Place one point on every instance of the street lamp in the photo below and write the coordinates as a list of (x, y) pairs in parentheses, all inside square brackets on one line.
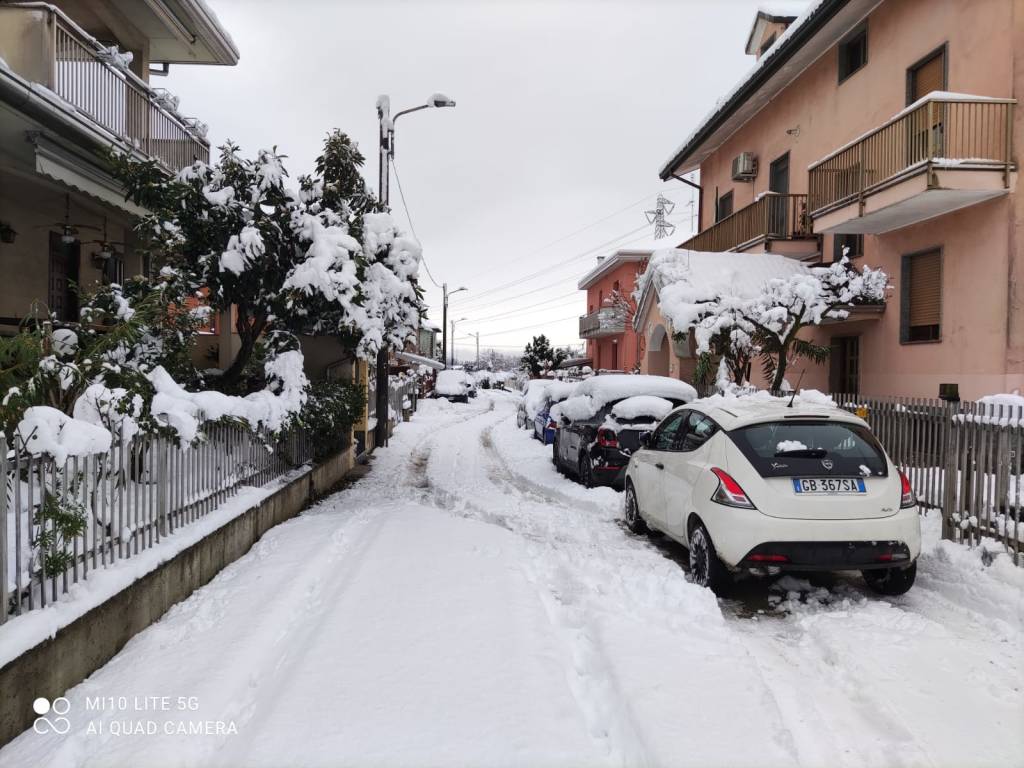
[(453, 337), (385, 153), (444, 322)]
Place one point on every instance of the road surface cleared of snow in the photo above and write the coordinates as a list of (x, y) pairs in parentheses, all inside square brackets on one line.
[(465, 605)]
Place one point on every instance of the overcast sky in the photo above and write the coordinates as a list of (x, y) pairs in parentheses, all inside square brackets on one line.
[(565, 112)]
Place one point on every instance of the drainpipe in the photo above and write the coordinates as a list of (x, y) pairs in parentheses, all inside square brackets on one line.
[(700, 199)]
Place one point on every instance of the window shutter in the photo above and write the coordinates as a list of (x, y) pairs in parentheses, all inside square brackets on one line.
[(929, 77), (925, 289)]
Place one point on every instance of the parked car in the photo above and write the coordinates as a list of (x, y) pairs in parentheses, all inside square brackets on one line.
[(599, 427), (456, 386), (756, 484), (544, 427), (531, 402)]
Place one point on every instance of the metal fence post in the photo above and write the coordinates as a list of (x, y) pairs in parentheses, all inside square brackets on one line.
[(950, 477), (4, 597), (163, 487)]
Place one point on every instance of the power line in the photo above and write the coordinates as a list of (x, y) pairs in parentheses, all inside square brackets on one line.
[(595, 223), (528, 327), (401, 194), (488, 318)]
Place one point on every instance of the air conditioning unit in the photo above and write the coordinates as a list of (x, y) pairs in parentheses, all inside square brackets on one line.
[(744, 167)]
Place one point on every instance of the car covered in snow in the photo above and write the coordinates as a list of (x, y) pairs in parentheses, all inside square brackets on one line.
[(454, 385), (763, 484), (600, 426), (544, 427), (531, 402)]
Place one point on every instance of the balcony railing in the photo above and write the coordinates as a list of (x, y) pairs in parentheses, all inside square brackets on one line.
[(772, 217), (606, 321), (961, 133), (43, 45)]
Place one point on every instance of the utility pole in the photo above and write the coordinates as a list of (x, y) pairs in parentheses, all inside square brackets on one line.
[(444, 323), (387, 127), (385, 151), (477, 337)]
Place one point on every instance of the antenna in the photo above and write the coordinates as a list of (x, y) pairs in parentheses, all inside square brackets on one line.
[(797, 389)]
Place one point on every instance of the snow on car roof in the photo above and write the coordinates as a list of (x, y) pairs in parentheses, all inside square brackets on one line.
[(593, 394), (641, 406), (453, 382), (733, 411)]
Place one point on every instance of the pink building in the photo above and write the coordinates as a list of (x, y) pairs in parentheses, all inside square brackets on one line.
[(887, 128), (612, 344)]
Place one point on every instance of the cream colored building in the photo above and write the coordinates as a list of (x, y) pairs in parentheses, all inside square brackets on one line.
[(889, 128), (68, 94)]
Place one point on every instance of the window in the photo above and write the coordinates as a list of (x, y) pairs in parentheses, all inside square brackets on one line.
[(803, 447), (854, 242), (698, 431), (62, 299), (921, 297), (927, 75), (724, 206), (665, 437), (853, 53)]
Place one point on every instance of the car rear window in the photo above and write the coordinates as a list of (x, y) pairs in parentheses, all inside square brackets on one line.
[(811, 448)]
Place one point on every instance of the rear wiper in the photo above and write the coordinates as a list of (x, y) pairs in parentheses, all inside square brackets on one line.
[(803, 453)]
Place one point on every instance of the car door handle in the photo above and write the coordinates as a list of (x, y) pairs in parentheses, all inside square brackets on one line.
[(659, 465)]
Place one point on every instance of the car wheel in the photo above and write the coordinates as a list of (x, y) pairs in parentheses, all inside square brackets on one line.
[(634, 521), (586, 472), (706, 569), (891, 581)]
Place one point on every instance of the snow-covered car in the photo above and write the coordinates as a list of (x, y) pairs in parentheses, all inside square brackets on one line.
[(456, 386), (758, 484), (599, 427), (531, 402), (544, 427)]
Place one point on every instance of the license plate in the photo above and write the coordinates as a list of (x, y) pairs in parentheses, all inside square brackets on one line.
[(833, 486)]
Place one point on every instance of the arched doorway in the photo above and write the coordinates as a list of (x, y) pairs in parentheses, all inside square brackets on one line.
[(658, 351)]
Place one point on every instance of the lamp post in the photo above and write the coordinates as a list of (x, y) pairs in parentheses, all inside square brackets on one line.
[(444, 322), (453, 337), (386, 151)]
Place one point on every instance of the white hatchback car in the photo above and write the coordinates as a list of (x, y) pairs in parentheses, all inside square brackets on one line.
[(753, 484)]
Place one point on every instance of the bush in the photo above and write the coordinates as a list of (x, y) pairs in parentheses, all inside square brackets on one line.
[(332, 407)]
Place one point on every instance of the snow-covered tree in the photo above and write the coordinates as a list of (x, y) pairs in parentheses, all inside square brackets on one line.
[(259, 248), (539, 356)]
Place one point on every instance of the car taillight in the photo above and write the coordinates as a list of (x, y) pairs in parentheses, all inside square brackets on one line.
[(908, 499), (606, 438), (729, 491)]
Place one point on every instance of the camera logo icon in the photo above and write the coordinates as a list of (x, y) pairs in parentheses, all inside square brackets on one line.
[(57, 723)]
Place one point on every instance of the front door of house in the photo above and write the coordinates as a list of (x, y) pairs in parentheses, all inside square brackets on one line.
[(63, 276)]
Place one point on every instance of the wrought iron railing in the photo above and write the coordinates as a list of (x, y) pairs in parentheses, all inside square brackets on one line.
[(938, 132), (770, 217)]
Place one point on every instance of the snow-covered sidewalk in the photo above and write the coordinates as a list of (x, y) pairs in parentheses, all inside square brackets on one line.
[(465, 605)]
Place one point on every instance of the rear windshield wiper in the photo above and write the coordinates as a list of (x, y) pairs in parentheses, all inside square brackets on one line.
[(803, 453)]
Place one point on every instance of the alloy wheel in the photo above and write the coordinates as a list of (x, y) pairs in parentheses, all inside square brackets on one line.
[(699, 565)]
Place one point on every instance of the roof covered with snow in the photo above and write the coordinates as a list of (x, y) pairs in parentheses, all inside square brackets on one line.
[(819, 27), (734, 411)]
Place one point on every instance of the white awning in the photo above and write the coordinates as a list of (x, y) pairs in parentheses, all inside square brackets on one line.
[(409, 357), (69, 170)]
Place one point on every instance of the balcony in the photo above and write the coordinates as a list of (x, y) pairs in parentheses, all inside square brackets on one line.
[(770, 218), (44, 46), (608, 321), (938, 155)]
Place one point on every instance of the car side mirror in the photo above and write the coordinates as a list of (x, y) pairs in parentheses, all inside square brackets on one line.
[(645, 439)]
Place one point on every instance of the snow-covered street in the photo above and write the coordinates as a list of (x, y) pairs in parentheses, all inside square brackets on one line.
[(463, 604)]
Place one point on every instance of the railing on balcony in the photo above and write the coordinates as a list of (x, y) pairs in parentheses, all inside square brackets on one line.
[(771, 217), (120, 101), (939, 132), (605, 321)]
